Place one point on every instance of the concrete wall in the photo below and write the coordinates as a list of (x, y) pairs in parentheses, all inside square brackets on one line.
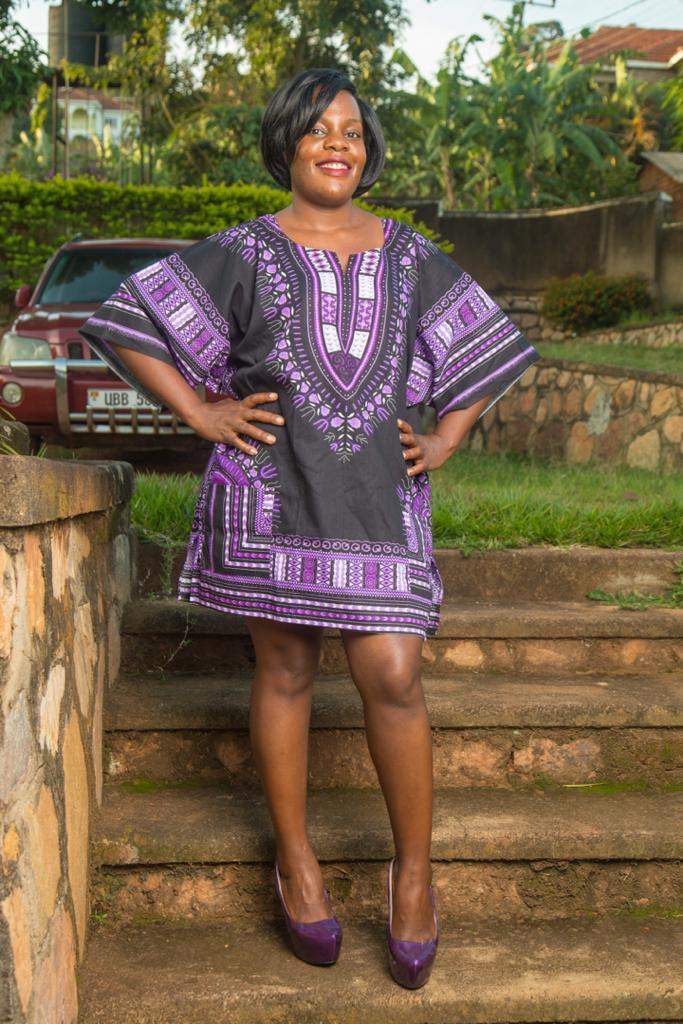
[(671, 265), (583, 412), (521, 250), (66, 573)]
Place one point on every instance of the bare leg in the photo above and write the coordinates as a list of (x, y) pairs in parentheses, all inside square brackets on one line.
[(287, 658), (386, 670)]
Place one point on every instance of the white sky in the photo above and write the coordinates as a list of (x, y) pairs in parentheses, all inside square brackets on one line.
[(434, 23)]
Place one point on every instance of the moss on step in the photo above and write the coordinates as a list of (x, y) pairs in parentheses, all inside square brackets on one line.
[(653, 910), (145, 785), (602, 787)]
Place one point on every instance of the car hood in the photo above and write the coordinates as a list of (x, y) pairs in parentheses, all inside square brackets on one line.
[(49, 318)]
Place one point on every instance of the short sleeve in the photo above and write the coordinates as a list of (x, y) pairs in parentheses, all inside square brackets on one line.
[(176, 310), (464, 345)]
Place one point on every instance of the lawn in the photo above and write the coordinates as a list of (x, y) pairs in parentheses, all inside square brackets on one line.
[(633, 357), (483, 501)]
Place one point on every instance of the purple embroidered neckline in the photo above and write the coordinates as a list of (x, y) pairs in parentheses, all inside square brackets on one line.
[(387, 222)]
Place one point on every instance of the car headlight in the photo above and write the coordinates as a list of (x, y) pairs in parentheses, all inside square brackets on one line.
[(12, 392), (21, 346)]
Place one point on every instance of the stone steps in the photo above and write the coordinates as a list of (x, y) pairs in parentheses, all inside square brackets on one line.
[(500, 730), (244, 973), (202, 851), (559, 898), (168, 635)]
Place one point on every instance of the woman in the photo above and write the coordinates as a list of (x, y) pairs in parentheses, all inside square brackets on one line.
[(325, 326)]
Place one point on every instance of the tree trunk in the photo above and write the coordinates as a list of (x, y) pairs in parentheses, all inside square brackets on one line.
[(6, 127)]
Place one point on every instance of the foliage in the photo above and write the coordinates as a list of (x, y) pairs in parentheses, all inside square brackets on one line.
[(21, 64), (38, 217), (583, 302), (673, 103), (523, 134), (275, 39)]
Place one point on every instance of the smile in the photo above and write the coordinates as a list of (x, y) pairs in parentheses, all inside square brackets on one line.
[(334, 167)]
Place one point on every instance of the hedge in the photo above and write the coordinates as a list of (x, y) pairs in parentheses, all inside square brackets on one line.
[(584, 302), (38, 217)]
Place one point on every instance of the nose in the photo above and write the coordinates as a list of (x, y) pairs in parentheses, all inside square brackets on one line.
[(336, 141)]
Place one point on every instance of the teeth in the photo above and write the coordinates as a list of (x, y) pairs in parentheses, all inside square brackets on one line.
[(344, 166)]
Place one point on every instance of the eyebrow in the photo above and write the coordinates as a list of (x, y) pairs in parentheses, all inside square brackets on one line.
[(349, 120)]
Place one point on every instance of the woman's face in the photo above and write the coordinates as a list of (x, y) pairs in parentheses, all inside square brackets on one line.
[(330, 157)]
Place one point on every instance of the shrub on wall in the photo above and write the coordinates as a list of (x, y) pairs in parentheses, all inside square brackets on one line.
[(584, 302), (37, 217)]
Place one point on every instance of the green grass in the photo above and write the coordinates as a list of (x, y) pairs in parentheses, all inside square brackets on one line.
[(631, 357), (163, 505), (483, 501)]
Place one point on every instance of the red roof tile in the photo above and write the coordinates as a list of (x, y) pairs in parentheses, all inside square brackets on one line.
[(656, 44)]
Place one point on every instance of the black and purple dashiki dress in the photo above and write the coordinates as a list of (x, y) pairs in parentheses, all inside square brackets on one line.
[(325, 526)]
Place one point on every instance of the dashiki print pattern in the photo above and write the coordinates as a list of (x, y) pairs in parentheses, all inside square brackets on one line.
[(325, 526)]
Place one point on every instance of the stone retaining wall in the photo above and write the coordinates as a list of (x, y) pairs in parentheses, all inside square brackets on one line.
[(525, 311), (66, 573), (580, 412)]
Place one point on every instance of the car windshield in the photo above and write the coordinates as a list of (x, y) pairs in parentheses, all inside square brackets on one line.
[(91, 275)]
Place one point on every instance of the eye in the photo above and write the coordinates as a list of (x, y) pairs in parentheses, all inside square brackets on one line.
[(351, 131)]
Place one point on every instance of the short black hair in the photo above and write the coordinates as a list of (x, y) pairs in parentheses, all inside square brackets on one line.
[(292, 111)]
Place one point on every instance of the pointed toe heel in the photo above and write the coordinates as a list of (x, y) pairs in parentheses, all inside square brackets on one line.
[(316, 942), (410, 962)]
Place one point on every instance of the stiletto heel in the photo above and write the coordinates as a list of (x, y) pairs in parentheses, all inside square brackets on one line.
[(410, 962), (316, 942)]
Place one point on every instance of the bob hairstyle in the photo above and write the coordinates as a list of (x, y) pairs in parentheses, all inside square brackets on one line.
[(292, 111)]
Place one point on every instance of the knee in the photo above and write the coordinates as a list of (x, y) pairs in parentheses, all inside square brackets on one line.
[(396, 684), (289, 675)]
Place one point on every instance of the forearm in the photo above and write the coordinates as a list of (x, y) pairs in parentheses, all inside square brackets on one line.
[(453, 427), (164, 381)]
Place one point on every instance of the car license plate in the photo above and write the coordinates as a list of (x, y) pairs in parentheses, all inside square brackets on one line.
[(117, 398)]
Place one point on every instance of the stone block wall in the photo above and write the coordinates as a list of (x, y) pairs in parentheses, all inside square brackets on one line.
[(66, 573), (580, 412), (662, 335)]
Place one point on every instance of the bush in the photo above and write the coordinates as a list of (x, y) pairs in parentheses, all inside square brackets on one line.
[(37, 217), (585, 302)]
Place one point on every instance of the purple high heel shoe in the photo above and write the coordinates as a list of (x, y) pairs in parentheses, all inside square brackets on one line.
[(316, 942), (410, 962)]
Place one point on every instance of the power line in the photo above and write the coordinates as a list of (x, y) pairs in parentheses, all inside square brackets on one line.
[(587, 24)]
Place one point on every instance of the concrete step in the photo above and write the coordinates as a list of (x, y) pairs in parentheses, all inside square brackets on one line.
[(489, 730), (186, 851), (524, 636), (590, 971), (542, 573)]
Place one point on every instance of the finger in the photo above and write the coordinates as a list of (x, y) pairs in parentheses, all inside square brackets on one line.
[(419, 467), (265, 417), (403, 424), (407, 438), (257, 396), (243, 446), (260, 435), (413, 453)]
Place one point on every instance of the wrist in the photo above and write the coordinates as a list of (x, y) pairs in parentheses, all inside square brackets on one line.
[(448, 444), (194, 414)]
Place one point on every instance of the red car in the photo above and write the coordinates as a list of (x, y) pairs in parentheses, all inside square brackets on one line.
[(49, 378)]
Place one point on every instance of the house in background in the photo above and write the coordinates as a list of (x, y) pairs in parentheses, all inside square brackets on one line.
[(660, 51), (663, 172), (91, 111)]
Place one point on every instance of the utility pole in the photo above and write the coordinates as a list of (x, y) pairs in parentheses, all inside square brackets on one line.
[(67, 92)]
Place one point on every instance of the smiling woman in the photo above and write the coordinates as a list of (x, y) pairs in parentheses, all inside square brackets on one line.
[(328, 326)]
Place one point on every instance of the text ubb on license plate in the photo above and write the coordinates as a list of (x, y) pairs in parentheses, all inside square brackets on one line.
[(117, 398)]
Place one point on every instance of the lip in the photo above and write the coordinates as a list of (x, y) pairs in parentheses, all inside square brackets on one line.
[(340, 171)]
